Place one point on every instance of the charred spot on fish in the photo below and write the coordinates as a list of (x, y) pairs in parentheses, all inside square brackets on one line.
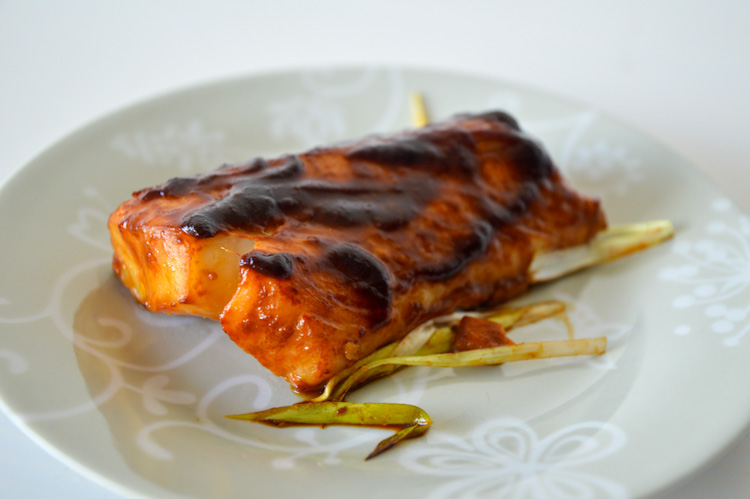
[(288, 204), (181, 186), (459, 150), (443, 150), (275, 265), (255, 165), (500, 214), (262, 203), (172, 188), (530, 158), (365, 273), (466, 251), (499, 116), (387, 216), (409, 151), (291, 168), (199, 225), (340, 213), (348, 205), (246, 209)]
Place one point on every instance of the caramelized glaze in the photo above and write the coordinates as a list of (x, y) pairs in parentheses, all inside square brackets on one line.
[(357, 243)]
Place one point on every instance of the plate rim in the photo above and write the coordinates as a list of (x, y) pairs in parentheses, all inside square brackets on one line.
[(36, 163)]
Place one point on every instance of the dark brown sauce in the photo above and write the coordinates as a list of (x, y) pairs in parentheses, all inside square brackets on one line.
[(367, 277), (390, 182), (263, 197), (499, 116), (531, 156), (451, 151), (276, 265), (365, 271), (465, 251)]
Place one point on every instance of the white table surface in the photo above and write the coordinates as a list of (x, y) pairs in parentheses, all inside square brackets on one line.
[(677, 70)]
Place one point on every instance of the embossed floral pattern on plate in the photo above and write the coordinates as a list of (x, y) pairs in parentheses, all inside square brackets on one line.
[(148, 393)]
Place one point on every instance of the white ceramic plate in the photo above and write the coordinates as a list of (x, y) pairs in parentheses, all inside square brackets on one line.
[(136, 400)]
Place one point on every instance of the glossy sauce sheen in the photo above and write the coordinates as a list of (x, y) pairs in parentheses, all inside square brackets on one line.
[(359, 242), (267, 196), (261, 196)]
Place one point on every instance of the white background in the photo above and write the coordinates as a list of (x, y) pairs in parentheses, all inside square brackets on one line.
[(678, 71)]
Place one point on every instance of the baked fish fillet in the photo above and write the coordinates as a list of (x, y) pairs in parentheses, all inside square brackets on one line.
[(313, 261)]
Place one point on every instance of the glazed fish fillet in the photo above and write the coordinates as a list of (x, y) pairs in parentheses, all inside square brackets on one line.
[(313, 261)]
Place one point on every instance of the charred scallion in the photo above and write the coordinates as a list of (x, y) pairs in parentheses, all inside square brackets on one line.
[(409, 421)]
